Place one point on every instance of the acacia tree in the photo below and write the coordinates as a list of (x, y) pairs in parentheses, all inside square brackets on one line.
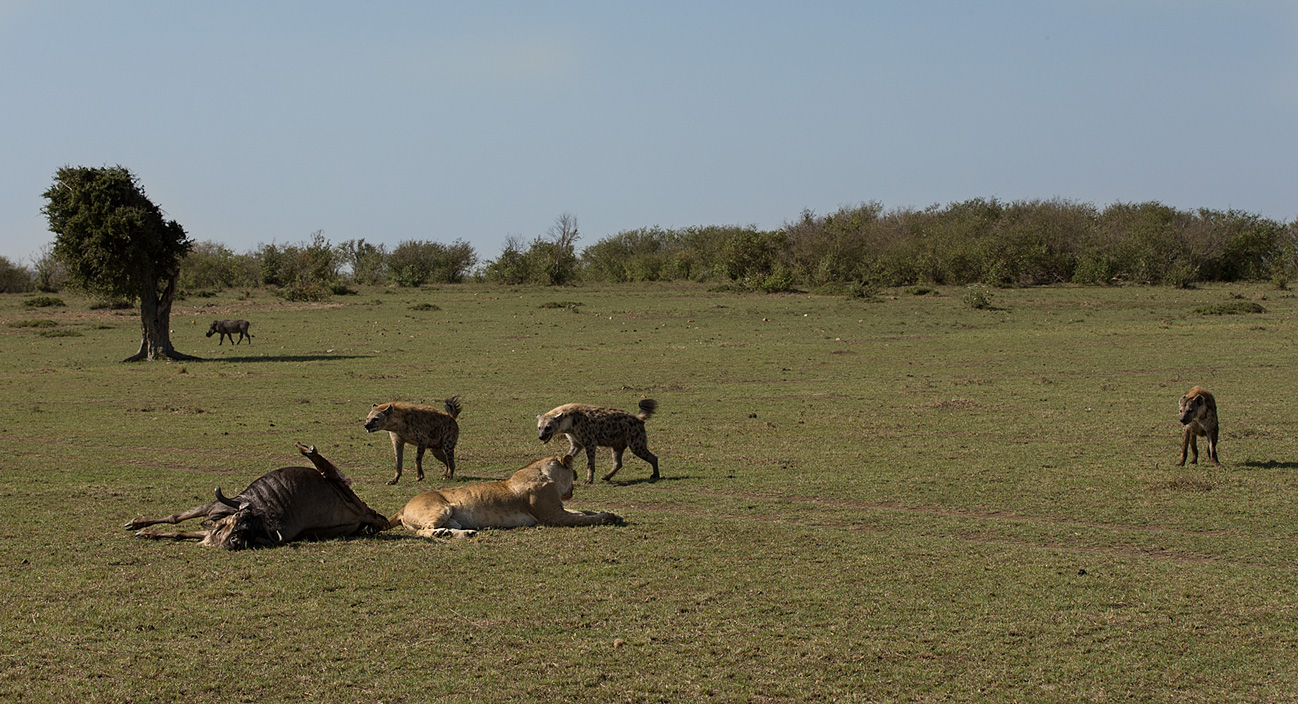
[(114, 242)]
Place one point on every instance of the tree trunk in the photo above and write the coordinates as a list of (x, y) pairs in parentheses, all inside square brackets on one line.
[(155, 323)]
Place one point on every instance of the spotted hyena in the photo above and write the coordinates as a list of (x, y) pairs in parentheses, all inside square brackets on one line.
[(227, 328), (1199, 416), (592, 426), (424, 427)]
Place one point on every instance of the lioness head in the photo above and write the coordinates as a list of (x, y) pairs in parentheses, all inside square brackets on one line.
[(378, 417), (547, 426), (558, 469)]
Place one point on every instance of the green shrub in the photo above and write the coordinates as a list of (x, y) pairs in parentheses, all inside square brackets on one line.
[(647, 254), (547, 262), (367, 262), (512, 266), (51, 275), (977, 297), (1182, 275), (305, 290), (214, 267), (751, 256), (1231, 308), (304, 267), (14, 278), (779, 280), (415, 263), (32, 324), (44, 302)]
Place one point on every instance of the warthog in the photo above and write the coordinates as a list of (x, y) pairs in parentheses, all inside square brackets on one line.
[(227, 328), (287, 504)]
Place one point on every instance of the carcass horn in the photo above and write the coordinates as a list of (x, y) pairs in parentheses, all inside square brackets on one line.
[(228, 502)]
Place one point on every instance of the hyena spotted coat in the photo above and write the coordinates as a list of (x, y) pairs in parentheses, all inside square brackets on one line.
[(594, 426), (1199, 416), (424, 427)]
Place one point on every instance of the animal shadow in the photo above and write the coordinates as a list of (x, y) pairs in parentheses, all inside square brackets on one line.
[(643, 480), (1270, 464)]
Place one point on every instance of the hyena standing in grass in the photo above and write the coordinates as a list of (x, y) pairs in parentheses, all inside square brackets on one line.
[(424, 427), (1199, 416), (593, 426)]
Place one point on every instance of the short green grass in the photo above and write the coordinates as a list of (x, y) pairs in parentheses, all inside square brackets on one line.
[(893, 498)]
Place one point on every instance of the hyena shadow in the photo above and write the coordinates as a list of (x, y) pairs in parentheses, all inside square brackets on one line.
[(645, 480), (1270, 464)]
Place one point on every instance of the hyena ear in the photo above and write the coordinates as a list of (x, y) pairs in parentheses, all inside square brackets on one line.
[(566, 461)]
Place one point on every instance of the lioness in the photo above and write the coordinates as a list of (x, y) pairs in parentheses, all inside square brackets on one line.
[(533, 496), (1199, 416)]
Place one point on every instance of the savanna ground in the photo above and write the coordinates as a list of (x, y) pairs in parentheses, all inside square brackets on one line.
[(891, 499)]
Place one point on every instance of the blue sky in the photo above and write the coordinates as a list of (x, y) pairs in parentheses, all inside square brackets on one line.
[(258, 122)]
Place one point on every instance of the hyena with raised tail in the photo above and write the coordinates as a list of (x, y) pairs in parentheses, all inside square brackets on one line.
[(589, 427), (424, 427)]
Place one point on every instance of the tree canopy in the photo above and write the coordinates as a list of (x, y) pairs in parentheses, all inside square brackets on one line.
[(110, 236), (114, 242)]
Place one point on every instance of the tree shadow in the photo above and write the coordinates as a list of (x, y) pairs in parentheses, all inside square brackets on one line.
[(284, 358), (1270, 464)]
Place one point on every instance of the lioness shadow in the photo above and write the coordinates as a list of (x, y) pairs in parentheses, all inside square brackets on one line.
[(1270, 464), (470, 479), (401, 534), (284, 358)]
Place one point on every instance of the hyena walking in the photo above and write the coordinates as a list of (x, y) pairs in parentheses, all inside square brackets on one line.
[(424, 427), (594, 426), (1199, 416)]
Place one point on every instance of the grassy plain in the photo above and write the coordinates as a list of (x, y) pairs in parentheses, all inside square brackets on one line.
[(895, 499)]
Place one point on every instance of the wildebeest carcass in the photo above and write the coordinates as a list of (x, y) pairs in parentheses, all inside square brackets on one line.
[(227, 328), (290, 503)]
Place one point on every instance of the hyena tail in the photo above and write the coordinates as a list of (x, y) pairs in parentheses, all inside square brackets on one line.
[(453, 406), (647, 408)]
